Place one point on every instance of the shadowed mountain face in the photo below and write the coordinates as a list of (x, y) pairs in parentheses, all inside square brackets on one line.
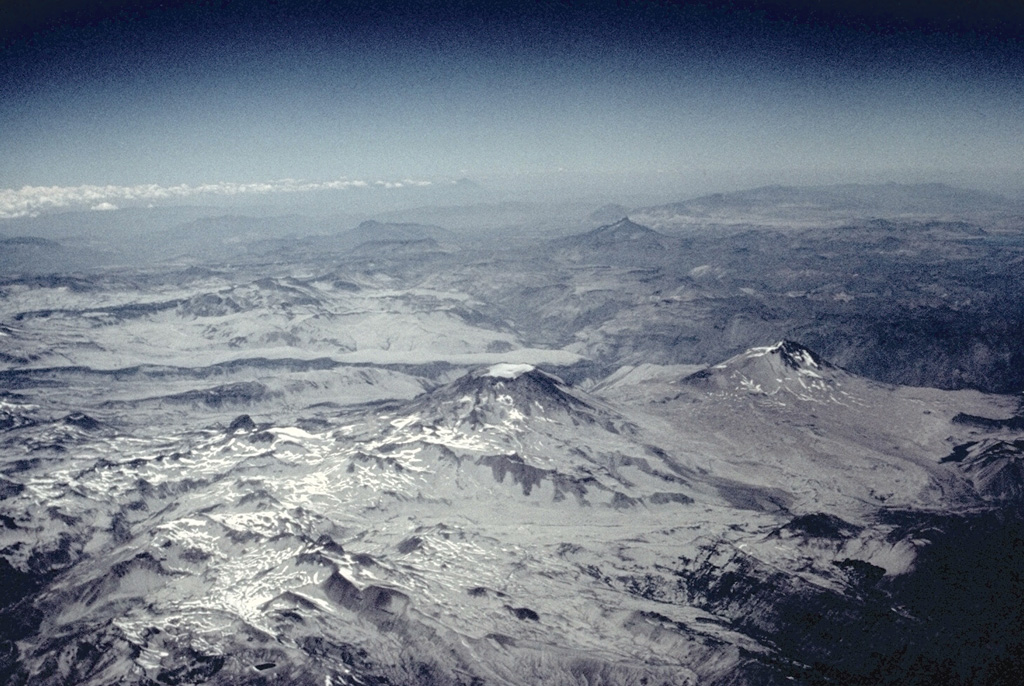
[(625, 455)]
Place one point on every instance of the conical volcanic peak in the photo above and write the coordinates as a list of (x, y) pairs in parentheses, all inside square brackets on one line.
[(506, 424), (504, 391), (621, 231), (785, 367), (81, 421), (622, 234)]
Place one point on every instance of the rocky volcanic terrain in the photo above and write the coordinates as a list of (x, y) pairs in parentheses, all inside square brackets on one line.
[(710, 444)]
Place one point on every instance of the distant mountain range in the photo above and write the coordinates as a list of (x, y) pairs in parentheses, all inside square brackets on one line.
[(802, 204)]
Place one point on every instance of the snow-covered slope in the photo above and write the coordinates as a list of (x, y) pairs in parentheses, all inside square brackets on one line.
[(783, 417), (784, 371), (515, 430), (459, 521), (503, 527)]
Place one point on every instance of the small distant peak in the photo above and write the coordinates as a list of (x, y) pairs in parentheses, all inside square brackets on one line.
[(81, 421), (628, 224), (243, 423), (623, 230)]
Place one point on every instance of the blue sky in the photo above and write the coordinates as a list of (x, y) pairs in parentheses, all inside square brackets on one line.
[(131, 92)]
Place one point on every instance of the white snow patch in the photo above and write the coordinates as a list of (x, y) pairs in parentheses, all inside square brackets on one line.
[(505, 370), (292, 434), (751, 386), (763, 350), (403, 422)]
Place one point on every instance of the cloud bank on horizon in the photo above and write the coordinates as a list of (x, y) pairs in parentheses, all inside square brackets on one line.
[(97, 94), (30, 201)]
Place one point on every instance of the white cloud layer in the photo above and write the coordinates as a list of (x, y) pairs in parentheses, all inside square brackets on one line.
[(32, 200)]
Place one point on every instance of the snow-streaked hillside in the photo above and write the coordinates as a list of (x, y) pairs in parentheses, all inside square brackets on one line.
[(504, 526)]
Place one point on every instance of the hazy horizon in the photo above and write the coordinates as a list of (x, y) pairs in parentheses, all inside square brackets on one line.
[(650, 97)]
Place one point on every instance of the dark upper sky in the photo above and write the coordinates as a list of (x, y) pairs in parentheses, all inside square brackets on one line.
[(128, 92)]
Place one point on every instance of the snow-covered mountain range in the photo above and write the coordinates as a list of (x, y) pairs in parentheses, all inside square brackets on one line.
[(504, 527), (611, 458)]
